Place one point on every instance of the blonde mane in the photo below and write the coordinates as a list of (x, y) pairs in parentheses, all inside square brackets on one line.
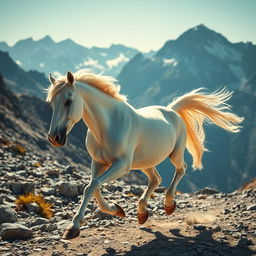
[(106, 84)]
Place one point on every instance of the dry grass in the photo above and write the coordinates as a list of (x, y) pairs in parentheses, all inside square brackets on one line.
[(45, 209)]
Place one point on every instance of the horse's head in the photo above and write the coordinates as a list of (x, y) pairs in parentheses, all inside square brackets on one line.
[(67, 107)]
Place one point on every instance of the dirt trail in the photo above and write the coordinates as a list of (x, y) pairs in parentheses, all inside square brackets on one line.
[(166, 237)]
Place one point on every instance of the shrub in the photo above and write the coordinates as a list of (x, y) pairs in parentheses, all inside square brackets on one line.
[(45, 209)]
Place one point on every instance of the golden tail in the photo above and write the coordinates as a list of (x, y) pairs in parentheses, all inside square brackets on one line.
[(197, 107)]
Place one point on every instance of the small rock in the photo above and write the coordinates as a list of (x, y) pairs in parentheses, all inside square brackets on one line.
[(207, 191), (244, 242), (111, 250), (51, 227), (136, 190), (40, 221), (199, 227), (33, 207), (14, 231), (251, 207), (68, 170), (226, 211), (7, 215), (56, 253), (48, 191), (68, 189), (216, 228), (53, 172), (20, 167), (22, 187)]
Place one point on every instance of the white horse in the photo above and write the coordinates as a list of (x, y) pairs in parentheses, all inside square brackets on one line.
[(121, 138)]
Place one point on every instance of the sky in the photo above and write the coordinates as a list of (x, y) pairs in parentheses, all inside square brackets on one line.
[(142, 24)]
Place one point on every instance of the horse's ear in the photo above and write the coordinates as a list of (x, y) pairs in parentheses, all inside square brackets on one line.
[(51, 78), (70, 77)]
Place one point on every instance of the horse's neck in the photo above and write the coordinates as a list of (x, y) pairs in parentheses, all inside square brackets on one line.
[(99, 110)]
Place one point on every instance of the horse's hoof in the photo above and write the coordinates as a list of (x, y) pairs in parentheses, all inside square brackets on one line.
[(170, 209), (71, 233), (119, 211), (142, 217)]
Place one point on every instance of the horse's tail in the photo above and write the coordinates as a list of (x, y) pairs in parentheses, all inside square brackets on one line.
[(197, 107)]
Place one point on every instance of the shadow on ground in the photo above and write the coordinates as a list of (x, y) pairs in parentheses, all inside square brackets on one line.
[(179, 245)]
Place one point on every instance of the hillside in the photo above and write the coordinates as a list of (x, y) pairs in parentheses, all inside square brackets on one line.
[(47, 56), (205, 222), (20, 81), (25, 120)]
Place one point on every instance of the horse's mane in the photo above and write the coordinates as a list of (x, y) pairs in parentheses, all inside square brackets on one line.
[(106, 84)]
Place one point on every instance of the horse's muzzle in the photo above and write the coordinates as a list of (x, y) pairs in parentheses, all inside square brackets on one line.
[(58, 139)]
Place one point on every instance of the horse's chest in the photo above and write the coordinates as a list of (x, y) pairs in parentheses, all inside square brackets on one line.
[(100, 152)]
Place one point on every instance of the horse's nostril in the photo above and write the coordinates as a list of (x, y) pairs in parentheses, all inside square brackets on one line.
[(57, 138)]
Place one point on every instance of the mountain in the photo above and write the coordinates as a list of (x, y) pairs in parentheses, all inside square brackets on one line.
[(200, 57), (47, 56), (20, 81)]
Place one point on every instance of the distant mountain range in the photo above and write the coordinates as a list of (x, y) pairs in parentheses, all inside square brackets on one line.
[(47, 56), (199, 57)]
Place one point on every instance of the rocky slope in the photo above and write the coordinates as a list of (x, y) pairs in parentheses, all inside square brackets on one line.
[(205, 222), (25, 120), (47, 56), (20, 81)]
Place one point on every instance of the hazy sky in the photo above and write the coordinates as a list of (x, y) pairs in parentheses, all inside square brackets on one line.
[(143, 24)]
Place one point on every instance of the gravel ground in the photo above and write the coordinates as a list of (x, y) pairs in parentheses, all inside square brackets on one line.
[(206, 222)]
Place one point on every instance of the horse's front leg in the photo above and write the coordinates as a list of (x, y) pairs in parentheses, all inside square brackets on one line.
[(118, 169), (116, 210)]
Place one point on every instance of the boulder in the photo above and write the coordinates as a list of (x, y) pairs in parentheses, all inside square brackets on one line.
[(7, 215), (68, 189), (19, 188), (15, 231)]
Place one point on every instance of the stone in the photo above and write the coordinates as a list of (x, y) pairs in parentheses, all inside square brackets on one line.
[(40, 221), (251, 207), (53, 172), (69, 169), (51, 227), (33, 207), (68, 189), (15, 231), (48, 191), (244, 242), (22, 187), (7, 215), (136, 190), (199, 227), (216, 228), (207, 191), (226, 211)]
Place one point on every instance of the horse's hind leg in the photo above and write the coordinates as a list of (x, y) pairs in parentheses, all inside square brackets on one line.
[(177, 159), (154, 179)]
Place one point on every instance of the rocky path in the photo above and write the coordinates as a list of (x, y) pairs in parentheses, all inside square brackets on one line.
[(206, 222)]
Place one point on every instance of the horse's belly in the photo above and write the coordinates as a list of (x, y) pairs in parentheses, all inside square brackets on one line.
[(152, 153)]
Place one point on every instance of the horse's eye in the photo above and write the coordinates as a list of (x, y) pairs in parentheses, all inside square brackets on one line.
[(68, 102)]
